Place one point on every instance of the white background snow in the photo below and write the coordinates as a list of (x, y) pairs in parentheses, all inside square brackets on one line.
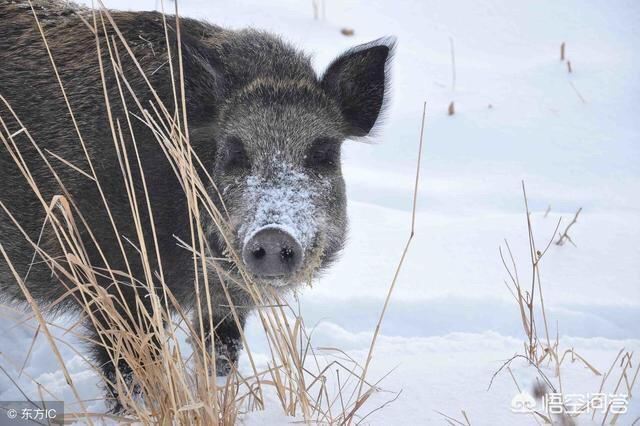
[(519, 116)]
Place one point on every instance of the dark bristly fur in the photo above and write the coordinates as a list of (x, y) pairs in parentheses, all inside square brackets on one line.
[(257, 113)]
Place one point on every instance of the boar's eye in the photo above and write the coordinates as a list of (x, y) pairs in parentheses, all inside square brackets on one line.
[(233, 156), (323, 155)]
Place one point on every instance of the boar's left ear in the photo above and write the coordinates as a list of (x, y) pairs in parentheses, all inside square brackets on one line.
[(357, 80)]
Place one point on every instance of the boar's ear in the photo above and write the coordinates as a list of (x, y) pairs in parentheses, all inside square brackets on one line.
[(357, 80)]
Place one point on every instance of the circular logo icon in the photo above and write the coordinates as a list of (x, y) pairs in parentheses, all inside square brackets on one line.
[(11, 413), (523, 403)]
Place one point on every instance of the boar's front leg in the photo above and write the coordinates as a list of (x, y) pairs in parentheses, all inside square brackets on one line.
[(227, 339), (108, 351)]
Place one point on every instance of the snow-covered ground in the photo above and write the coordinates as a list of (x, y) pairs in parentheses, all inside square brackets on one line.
[(574, 138)]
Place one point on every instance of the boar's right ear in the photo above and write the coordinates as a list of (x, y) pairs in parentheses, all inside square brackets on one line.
[(358, 81)]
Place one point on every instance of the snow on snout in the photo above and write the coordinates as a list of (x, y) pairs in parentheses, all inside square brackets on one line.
[(283, 201)]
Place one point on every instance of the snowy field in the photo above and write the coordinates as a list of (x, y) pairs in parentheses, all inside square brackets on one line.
[(574, 138)]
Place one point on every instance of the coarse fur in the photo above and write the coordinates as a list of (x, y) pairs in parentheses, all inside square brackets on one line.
[(261, 121)]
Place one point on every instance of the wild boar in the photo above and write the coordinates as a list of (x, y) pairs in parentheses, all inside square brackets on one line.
[(264, 125)]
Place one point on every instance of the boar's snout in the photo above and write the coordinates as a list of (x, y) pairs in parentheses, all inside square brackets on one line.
[(272, 252)]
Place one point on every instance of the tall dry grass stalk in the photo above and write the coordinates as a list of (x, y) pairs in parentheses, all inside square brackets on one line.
[(171, 381), (528, 298)]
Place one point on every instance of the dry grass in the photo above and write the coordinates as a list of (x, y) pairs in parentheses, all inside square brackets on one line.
[(174, 381), (455, 422), (565, 235), (451, 110), (541, 350)]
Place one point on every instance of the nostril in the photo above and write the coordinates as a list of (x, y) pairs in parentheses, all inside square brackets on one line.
[(286, 254), (258, 253)]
